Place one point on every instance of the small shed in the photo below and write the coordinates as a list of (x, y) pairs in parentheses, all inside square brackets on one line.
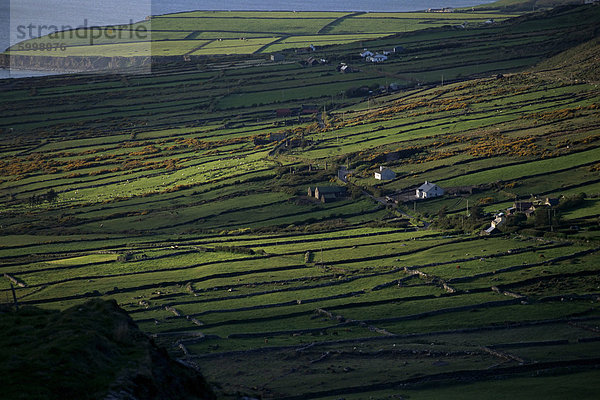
[(277, 57)]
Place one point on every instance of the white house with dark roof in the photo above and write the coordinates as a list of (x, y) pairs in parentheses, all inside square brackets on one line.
[(428, 190), (384, 174)]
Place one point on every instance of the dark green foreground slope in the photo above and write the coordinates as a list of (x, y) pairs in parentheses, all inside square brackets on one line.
[(90, 351)]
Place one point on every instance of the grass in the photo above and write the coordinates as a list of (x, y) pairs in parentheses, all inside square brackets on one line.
[(184, 190), (95, 342), (169, 33), (540, 387)]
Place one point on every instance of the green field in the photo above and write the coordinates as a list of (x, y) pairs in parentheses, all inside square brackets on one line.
[(187, 33), (182, 194)]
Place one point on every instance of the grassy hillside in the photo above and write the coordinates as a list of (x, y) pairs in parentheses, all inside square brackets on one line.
[(580, 63), (526, 5), (90, 351), (182, 196), (209, 33)]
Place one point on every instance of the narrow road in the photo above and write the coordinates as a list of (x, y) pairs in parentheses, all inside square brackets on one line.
[(383, 201)]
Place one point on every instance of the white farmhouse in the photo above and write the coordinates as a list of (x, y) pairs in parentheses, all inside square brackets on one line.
[(384, 174), (428, 190), (366, 53), (499, 220), (377, 58)]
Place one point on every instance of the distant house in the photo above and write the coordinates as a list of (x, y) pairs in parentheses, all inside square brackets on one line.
[(428, 190), (312, 61), (277, 57), (366, 53), (384, 174), (492, 230), (398, 49), (310, 109), (327, 194), (499, 220), (345, 68), (441, 10), (522, 206), (284, 112), (377, 58)]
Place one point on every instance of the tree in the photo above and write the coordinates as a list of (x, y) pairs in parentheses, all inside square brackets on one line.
[(442, 212), (476, 212), (541, 217), (51, 196)]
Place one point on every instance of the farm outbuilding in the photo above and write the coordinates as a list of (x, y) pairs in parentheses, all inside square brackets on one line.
[(327, 194), (277, 57), (522, 206), (428, 190)]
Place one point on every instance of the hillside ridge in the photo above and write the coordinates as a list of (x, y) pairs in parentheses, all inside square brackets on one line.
[(90, 351)]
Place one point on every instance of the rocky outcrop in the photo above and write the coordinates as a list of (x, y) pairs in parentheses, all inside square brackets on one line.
[(90, 351)]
